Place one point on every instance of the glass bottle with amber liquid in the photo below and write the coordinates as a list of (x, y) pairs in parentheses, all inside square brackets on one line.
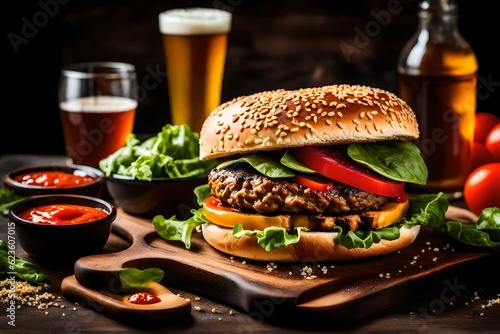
[(437, 77)]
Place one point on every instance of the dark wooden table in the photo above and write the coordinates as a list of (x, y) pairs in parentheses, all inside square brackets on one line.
[(452, 301)]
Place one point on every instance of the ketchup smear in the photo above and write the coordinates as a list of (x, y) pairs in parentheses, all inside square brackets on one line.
[(143, 298), (63, 214), (55, 179)]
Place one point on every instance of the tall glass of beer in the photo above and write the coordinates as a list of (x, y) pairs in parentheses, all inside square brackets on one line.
[(195, 45), (97, 106)]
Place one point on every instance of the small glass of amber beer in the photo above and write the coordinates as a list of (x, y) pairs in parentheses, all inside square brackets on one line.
[(195, 45), (97, 106)]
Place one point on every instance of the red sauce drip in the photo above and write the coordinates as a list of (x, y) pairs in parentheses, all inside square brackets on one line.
[(143, 298), (63, 214), (55, 179)]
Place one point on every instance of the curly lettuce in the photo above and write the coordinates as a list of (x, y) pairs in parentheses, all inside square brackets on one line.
[(173, 153)]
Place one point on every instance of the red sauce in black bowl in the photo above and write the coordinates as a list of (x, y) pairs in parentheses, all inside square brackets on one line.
[(63, 214), (58, 179)]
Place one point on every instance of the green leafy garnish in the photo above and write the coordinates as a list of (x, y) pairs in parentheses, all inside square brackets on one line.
[(202, 192), (364, 239), (289, 161), (181, 230), (263, 164), (271, 237), (396, 160), (173, 153), (7, 199), (136, 278), (20, 268), (485, 232), (427, 209)]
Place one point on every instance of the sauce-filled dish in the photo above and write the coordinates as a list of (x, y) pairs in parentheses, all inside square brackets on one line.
[(63, 214), (56, 179), (62, 226)]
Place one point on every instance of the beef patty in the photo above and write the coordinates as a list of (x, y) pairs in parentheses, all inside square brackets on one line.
[(240, 188)]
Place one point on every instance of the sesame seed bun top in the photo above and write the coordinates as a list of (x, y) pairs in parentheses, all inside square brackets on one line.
[(328, 115)]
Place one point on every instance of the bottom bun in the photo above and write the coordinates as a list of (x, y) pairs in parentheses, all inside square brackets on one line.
[(313, 246)]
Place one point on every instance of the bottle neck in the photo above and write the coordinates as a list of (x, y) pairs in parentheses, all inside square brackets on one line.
[(439, 18)]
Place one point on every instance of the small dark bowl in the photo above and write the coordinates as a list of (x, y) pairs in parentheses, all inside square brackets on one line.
[(50, 242), (147, 199), (93, 189)]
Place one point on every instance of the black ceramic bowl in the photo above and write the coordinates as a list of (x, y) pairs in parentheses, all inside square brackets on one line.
[(147, 199), (52, 242), (93, 189)]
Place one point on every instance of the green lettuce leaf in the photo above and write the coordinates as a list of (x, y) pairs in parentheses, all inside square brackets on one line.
[(172, 153), (365, 239), (485, 232), (271, 237), (427, 209), (396, 160), (24, 270), (136, 278), (202, 192), (7, 199), (181, 230)]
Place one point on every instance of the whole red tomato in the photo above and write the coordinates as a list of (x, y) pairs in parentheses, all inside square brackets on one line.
[(480, 155), (485, 121), (492, 142), (481, 188)]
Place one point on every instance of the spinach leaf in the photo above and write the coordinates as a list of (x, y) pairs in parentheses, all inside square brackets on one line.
[(292, 163), (396, 160), (263, 165), (427, 209)]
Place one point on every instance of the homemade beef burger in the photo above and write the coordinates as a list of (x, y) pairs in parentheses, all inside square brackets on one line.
[(310, 174)]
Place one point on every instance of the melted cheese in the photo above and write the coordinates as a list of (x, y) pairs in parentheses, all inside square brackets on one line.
[(223, 216)]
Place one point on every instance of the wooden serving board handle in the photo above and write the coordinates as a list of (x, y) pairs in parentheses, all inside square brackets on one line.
[(102, 270), (96, 282), (170, 308)]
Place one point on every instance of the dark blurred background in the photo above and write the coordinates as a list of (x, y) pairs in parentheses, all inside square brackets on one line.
[(273, 44)]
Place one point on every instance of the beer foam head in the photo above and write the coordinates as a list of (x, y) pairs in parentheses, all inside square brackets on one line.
[(195, 21)]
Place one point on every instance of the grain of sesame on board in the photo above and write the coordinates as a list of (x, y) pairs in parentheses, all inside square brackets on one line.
[(28, 294)]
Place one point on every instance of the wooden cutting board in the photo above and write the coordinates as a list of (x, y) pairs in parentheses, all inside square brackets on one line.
[(342, 290)]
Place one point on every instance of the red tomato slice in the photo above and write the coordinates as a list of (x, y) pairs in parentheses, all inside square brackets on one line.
[(318, 183), (337, 166), (401, 198)]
